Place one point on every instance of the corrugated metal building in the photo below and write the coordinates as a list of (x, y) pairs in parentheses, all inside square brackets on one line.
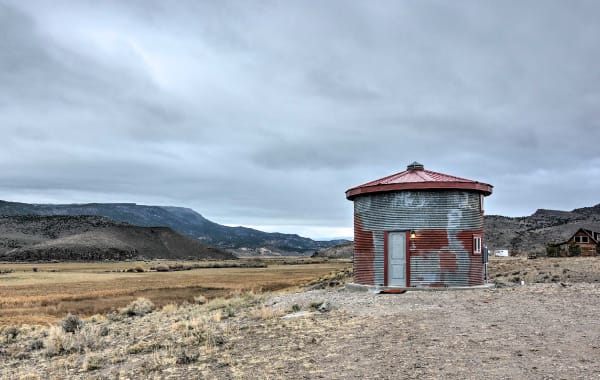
[(419, 228)]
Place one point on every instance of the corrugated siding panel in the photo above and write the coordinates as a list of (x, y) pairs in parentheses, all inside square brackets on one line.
[(444, 221), (412, 210), (378, 260), (445, 258), (363, 255)]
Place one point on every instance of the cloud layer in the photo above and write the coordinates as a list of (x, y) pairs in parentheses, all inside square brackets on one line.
[(263, 113)]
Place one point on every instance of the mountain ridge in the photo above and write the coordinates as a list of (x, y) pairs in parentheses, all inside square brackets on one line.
[(183, 220), (94, 238)]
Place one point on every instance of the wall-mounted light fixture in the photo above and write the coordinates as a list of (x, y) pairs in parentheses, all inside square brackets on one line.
[(413, 234)]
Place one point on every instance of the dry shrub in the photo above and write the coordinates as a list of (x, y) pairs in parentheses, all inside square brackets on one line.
[(193, 330), (9, 333), (58, 342), (214, 338), (265, 313), (200, 300), (217, 303), (71, 323), (96, 318), (29, 376), (233, 304), (217, 316), (91, 363), (144, 347), (186, 355), (35, 344), (140, 306), (158, 361), (169, 308)]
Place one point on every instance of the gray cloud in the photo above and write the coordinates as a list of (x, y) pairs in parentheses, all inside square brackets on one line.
[(264, 113)]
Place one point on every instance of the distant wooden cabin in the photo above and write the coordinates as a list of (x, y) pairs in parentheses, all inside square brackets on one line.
[(586, 240)]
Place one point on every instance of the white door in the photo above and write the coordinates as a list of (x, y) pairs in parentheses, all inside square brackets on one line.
[(396, 259)]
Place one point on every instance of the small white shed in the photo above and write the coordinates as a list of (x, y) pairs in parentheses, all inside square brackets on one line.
[(501, 252)]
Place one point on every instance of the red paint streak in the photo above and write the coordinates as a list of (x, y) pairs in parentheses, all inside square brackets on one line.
[(448, 261), (466, 238), (437, 285), (475, 262), (428, 241)]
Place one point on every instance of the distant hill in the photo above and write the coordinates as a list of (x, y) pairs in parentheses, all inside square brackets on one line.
[(183, 220), (340, 251), (93, 238), (532, 233)]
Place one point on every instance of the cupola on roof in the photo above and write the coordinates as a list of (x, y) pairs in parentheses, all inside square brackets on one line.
[(415, 177)]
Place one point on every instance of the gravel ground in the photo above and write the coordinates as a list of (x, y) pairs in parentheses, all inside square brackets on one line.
[(545, 331), (536, 331)]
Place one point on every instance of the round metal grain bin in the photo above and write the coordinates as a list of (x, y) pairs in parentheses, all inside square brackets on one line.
[(419, 228)]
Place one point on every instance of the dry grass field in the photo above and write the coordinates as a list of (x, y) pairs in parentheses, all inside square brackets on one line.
[(53, 290), (513, 270)]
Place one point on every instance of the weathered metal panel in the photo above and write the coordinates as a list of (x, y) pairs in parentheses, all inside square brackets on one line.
[(445, 258), (444, 221), (412, 210), (363, 254), (379, 257)]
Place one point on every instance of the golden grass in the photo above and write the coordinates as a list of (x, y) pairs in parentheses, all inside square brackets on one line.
[(95, 288)]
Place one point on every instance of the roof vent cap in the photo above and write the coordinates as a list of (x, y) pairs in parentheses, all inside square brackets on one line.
[(415, 166)]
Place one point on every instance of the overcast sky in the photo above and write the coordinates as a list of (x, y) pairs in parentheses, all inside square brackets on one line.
[(262, 113)]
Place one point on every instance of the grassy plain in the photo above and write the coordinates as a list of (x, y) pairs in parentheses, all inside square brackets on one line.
[(55, 289)]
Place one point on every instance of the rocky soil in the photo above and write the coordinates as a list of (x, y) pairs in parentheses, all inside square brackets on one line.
[(535, 331)]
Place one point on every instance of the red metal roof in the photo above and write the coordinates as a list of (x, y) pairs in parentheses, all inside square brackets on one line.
[(415, 177)]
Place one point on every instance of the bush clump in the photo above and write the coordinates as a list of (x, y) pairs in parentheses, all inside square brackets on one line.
[(552, 250), (10, 333), (140, 306), (200, 299), (71, 323), (574, 250)]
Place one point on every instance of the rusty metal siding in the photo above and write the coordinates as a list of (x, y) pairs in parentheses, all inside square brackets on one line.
[(363, 254), (445, 258), (444, 221)]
